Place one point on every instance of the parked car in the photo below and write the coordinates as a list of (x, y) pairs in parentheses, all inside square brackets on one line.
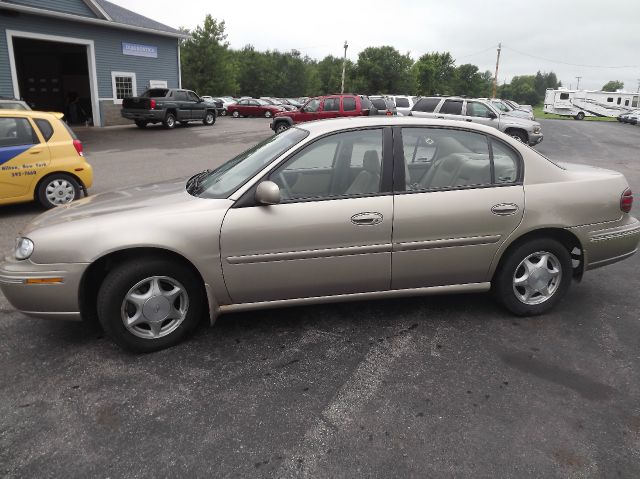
[(253, 107), (324, 107), (633, 117), (40, 159), (226, 102), (505, 108), (518, 106), (292, 102), (417, 207), (13, 104), (403, 103), (478, 111), (278, 102), (168, 106), (217, 103), (384, 105)]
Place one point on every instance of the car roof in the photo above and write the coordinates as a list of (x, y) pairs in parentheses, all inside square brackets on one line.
[(321, 127), (31, 113)]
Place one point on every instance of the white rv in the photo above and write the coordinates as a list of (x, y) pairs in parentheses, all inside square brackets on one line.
[(581, 103)]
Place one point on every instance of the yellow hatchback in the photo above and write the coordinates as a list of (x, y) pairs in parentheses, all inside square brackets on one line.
[(40, 159)]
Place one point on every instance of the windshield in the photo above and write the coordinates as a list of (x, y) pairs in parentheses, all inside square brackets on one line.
[(227, 178)]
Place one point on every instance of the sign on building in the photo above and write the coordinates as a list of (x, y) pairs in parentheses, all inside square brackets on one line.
[(137, 50)]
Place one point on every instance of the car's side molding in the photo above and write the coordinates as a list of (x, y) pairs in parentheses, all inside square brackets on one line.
[(309, 254), (446, 243), (396, 293)]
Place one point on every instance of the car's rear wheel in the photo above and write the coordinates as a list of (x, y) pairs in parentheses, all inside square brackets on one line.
[(169, 121), (533, 277), (209, 118), (224, 112), (281, 126), (267, 114), (580, 116), (235, 114), (150, 304), (141, 123), (57, 189)]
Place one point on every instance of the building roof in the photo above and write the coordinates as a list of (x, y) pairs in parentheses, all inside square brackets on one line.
[(127, 17), (106, 14)]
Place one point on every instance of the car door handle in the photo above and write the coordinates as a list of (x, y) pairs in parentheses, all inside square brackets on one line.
[(366, 219), (440, 117), (34, 152), (468, 119), (504, 209)]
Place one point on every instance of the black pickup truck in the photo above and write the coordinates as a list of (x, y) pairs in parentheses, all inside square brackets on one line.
[(168, 106)]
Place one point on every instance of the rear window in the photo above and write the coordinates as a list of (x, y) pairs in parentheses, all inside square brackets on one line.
[(45, 128), (349, 103), (156, 93), (379, 103), (402, 102), (426, 105), (452, 107)]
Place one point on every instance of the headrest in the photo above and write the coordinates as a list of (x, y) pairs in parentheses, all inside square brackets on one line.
[(371, 162)]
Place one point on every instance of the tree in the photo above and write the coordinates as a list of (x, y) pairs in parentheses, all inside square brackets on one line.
[(206, 60), (613, 85), (435, 74), (329, 71), (470, 82), (383, 70)]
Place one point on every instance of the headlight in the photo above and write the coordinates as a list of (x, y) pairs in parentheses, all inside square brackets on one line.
[(24, 248), (536, 129)]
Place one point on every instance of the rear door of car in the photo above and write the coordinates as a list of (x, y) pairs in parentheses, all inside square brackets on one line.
[(23, 152), (330, 107), (450, 109), (426, 107), (451, 217), (330, 234)]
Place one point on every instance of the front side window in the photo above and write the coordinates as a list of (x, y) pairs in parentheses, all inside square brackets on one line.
[(332, 104), (477, 109), (438, 158), (192, 96), (16, 132), (312, 106), (227, 178), (344, 164), (452, 107)]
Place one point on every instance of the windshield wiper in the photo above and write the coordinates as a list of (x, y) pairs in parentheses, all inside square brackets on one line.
[(193, 183)]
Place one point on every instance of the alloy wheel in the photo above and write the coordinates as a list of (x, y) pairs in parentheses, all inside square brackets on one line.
[(537, 278), (60, 191)]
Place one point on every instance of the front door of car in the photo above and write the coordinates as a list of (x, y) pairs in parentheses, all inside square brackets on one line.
[(450, 219), (22, 154), (477, 112), (330, 234), (198, 106), (311, 110), (182, 105)]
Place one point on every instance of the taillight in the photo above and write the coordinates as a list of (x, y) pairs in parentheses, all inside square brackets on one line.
[(626, 200), (152, 104), (389, 113), (77, 144)]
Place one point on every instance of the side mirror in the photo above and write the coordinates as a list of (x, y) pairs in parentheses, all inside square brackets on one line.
[(267, 193), (492, 115)]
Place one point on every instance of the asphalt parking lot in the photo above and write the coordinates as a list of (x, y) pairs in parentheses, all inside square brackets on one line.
[(448, 386)]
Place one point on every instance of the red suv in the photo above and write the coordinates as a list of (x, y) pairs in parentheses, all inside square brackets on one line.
[(322, 107)]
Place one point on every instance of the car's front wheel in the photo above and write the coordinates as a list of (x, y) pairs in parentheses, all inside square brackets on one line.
[(209, 118), (224, 112), (281, 126), (267, 114), (235, 114), (57, 189), (533, 277), (150, 304)]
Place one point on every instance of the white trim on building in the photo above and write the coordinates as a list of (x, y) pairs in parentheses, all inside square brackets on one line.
[(91, 63)]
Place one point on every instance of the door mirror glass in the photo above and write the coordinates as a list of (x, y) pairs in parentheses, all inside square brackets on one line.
[(267, 193), (492, 115)]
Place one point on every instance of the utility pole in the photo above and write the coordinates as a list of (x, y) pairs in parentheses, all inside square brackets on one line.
[(495, 77), (578, 87), (638, 85), (344, 65)]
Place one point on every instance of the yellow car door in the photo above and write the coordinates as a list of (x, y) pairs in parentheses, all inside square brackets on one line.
[(22, 153)]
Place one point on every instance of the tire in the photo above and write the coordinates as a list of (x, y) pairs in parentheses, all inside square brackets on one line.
[(518, 135), (141, 123), (209, 118), (281, 126), (235, 114), (512, 285), (169, 121), (268, 114), (136, 277), (580, 116), (57, 189), (224, 112)]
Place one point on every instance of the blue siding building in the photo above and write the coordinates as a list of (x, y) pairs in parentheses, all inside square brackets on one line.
[(82, 57)]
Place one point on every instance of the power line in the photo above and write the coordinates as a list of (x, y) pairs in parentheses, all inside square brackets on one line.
[(570, 64), (476, 53)]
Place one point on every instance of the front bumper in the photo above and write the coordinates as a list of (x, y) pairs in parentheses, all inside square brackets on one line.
[(59, 300), (535, 138), (149, 115)]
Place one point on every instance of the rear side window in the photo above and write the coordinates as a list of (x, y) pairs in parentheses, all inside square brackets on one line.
[(452, 107), (16, 132), (379, 103), (45, 128), (156, 93), (180, 95), (332, 104), (426, 105), (505, 163), (349, 103), (402, 102)]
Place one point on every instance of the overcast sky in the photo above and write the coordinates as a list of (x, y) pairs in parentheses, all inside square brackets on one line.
[(541, 35)]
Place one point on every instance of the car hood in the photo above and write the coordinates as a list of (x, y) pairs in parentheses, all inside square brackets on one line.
[(140, 201), (518, 121)]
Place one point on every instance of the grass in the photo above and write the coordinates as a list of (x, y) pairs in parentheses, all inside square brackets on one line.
[(539, 114)]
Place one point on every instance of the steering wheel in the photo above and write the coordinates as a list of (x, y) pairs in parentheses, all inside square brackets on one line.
[(285, 184)]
